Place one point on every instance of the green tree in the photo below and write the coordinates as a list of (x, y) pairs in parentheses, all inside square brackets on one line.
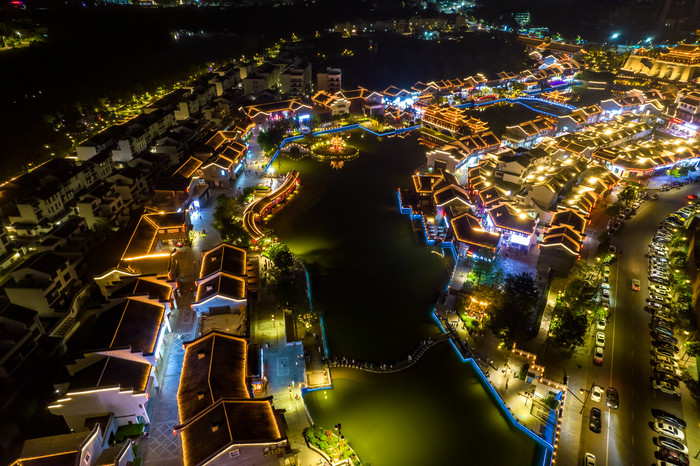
[(281, 256), (569, 327), (272, 136), (693, 348), (627, 195), (581, 294), (512, 315), (229, 226), (482, 269)]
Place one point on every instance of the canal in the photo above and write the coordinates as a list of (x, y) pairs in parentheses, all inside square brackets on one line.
[(376, 284)]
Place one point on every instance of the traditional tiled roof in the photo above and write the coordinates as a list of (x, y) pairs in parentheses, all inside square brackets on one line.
[(506, 217), (468, 229)]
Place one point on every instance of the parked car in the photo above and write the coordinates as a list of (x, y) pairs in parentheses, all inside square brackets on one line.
[(598, 356), (662, 338), (606, 293), (668, 430), (612, 398), (612, 250), (665, 416), (600, 323), (659, 289), (673, 457), (664, 352), (596, 393), (664, 346), (655, 306), (657, 298), (671, 444), (596, 425), (665, 360), (589, 459), (667, 369), (600, 339), (669, 389), (660, 281), (616, 226)]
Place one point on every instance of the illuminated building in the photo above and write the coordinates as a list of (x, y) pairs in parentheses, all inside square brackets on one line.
[(470, 237), (148, 250), (680, 63), (452, 121), (87, 447), (561, 242), (263, 113), (528, 133), (517, 225), (219, 421), (222, 285), (533, 44)]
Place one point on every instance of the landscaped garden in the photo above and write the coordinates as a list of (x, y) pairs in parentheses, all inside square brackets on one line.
[(332, 445)]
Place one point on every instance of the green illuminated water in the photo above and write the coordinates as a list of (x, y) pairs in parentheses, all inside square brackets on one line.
[(376, 284)]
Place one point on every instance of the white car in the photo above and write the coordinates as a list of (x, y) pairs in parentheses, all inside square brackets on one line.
[(589, 459), (596, 393), (600, 324), (667, 369), (606, 293), (669, 430), (600, 339), (658, 299), (660, 289)]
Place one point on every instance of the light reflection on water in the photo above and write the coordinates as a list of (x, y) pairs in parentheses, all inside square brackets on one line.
[(377, 284)]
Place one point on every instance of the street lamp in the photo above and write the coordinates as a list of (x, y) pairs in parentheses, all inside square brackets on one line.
[(340, 436)]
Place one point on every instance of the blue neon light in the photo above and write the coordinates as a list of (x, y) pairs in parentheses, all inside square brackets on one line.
[(492, 391)]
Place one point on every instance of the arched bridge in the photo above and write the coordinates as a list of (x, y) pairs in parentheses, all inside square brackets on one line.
[(388, 368)]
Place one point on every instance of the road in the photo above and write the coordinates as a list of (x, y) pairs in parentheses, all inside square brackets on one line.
[(627, 438)]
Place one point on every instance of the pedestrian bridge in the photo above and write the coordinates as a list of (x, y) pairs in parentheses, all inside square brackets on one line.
[(257, 211), (388, 368)]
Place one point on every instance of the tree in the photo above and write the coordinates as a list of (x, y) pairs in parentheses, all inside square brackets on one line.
[(481, 269), (627, 195), (229, 226), (581, 294), (272, 137), (569, 328), (692, 348), (281, 256), (512, 315)]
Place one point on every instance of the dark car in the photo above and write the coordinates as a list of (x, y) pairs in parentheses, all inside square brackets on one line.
[(673, 457), (664, 346), (612, 398), (668, 417), (671, 444), (662, 337), (595, 424)]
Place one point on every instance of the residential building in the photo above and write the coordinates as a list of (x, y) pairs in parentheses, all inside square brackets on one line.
[(86, 447), (561, 242), (222, 286), (44, 282), (20, 332), (295, 79), (330, 80), (219, 421)]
